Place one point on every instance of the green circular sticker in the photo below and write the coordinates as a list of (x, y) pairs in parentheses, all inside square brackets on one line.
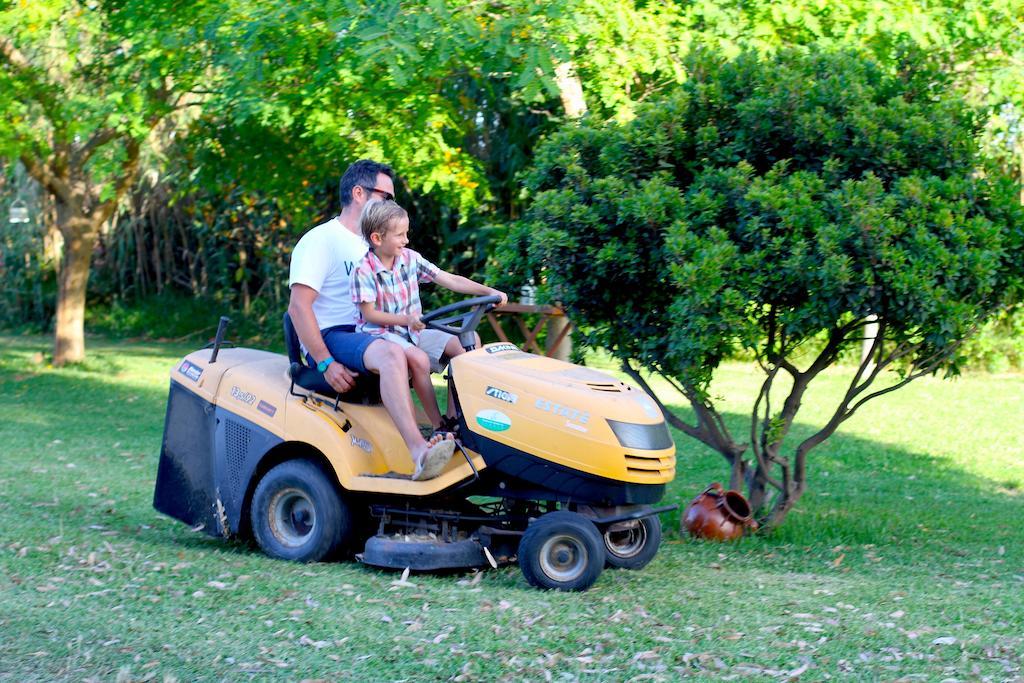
[(494, 420)]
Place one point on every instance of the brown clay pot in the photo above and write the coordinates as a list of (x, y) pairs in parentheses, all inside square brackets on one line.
[(718, 515)]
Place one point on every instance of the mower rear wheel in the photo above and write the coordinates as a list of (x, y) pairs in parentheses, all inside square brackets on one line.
[(633, 547), (561, 551), (297, 514)]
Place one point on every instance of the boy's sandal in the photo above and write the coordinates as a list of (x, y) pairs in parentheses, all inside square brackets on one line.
[(434, 460)]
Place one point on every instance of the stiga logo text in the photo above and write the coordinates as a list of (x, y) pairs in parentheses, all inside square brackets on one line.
[(499, 348), (501, 395), (243, 396)]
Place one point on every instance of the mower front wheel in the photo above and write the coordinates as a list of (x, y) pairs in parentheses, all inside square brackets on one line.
[(561, 551), (297, 514), (634, 546)]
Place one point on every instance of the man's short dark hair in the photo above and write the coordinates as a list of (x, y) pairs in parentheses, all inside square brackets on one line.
[(364, 173)]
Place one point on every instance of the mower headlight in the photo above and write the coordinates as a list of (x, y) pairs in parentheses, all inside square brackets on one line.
[(641, 437)]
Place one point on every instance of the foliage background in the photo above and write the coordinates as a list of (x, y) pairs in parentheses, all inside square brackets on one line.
[(456, 96)]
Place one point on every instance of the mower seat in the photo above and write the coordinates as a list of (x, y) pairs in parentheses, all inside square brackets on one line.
[(366, 390)]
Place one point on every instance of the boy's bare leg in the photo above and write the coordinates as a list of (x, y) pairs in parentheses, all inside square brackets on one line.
[(388, 361), (419, 368)]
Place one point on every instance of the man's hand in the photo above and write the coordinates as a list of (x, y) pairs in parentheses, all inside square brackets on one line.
[(414, 323), (339, 377)]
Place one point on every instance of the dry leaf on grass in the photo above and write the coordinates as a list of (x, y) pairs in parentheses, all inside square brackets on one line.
[(797, 672), (404, 581)]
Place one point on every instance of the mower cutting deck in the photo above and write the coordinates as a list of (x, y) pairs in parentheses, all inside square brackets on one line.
[(558, 465)]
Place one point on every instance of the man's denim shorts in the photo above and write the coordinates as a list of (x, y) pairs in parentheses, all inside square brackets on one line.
[(346, 346)]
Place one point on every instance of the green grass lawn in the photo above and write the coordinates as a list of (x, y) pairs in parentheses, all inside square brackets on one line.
[(904, 561)]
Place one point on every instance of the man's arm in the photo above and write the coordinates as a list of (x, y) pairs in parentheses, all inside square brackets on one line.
[(300, 308), (463, 285)]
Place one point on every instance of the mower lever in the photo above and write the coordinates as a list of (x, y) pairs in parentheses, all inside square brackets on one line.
[(218, 340)]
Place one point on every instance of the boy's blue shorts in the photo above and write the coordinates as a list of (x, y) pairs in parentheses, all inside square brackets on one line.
[(346, 346)]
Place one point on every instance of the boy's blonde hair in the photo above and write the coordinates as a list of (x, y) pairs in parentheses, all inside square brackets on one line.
[(378, 216)]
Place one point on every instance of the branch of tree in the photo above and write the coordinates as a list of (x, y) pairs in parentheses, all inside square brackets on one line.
[(13, 56), (844, 411), (854, 388), (671, 417), (713, 429), (129, 169), (755, 443), (876, 350), (99, 138), (45, 176), (927, 367), (710, 428), (768, 478)]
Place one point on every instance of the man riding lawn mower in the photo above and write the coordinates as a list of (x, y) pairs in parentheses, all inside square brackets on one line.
[(556, 464)]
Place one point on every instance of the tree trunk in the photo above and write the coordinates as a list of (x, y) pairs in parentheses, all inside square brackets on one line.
[(556, 324), (757, 490), (739, 470), (786, 502), (570, 89), (80, 237), (870, 332)]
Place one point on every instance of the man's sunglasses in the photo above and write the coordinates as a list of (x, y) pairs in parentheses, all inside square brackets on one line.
[(387, 195)]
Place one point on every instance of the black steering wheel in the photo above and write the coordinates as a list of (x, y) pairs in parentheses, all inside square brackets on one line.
[(466, 314)]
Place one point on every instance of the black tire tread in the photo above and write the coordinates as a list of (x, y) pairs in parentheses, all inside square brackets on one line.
[(561, 522), (653, 527), (334, 518)]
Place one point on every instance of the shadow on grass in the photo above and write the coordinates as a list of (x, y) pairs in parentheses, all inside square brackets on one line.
[(106, 344), (861, 492)]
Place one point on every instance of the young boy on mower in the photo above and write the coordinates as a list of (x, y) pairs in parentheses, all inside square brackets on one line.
[(385, 287), (324, 317)]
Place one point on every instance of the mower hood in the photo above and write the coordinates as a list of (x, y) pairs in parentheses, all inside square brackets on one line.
[(565, 414)]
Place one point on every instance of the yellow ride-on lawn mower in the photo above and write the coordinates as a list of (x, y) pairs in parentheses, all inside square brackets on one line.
[(558, 465)]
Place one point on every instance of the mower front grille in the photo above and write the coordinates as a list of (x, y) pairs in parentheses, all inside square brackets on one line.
[(650, 467), (648, 464), (653, 475)]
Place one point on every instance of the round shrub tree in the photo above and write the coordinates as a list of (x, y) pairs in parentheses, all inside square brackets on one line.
[(787, 208)]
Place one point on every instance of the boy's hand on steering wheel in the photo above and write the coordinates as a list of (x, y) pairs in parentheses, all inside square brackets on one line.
[(497, 292)]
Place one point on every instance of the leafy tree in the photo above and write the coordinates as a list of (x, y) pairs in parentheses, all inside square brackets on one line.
[(452, 94), (979, 42), (82, 87), (455, 95), (771, 206)]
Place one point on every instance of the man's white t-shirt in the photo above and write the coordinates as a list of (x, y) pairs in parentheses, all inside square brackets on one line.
[(325, 259)]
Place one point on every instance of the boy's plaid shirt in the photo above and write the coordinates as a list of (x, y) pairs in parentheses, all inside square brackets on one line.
[(394, 291)]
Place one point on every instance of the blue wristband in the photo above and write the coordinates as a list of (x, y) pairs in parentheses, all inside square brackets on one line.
[(324, 364)]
